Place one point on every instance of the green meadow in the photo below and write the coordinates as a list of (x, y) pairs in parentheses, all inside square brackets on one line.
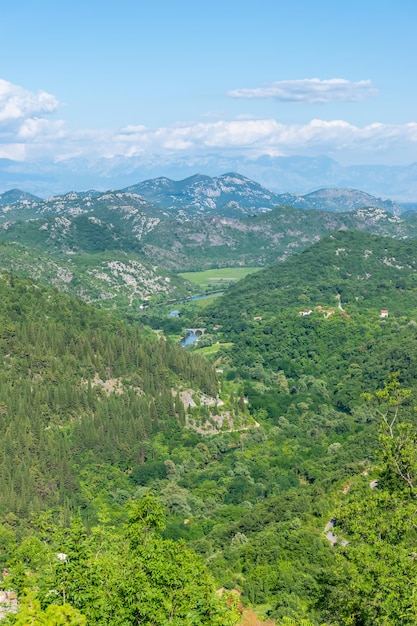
[(210, 350), (215, 277)]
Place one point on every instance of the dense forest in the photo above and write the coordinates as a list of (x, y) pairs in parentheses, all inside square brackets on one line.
[(82, 396), (288, 483)]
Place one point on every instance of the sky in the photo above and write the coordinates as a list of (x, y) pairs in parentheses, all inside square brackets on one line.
[(181, 78)]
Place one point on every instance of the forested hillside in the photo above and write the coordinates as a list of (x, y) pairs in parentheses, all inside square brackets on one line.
[(292, 477), (81, 397), (75, 382), (333, 384), (363, 269)]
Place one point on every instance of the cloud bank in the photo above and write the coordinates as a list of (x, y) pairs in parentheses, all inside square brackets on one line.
[(310, 91), (255, 137), (28, 133)]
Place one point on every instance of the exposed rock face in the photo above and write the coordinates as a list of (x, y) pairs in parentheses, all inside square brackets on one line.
[(8, 603)]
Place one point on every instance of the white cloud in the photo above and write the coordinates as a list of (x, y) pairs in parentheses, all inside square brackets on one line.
[(22, 122), (13, 151), (17, 103), (39, 129), (310, 91)]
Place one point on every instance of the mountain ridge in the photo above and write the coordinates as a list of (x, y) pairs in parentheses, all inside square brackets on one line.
[(230, 194), (291, 174)]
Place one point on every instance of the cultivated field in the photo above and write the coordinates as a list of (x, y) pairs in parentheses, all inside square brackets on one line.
[(210, 279)]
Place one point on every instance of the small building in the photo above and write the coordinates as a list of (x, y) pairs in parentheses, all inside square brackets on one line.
[(384, 313), (305, 312), (327, 312), (257, 318)]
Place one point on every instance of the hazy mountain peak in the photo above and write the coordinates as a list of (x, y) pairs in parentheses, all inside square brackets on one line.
[(293, 174), (17, 195), (340, 199)]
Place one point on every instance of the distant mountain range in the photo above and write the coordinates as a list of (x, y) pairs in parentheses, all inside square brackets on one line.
[(195, 223), (296, 175), (122, 247), (228, 195), (232, 195)]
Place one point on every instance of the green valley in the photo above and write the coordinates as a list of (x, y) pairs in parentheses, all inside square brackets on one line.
[(273, 461)]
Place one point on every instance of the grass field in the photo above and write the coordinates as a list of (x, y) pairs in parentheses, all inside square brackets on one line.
[(206, 300), (214, 278), (210, 350)]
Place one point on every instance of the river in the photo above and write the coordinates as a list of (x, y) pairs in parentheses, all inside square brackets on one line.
[(189, 340)]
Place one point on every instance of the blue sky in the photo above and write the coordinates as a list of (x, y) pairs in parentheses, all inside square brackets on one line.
[(181, 78)]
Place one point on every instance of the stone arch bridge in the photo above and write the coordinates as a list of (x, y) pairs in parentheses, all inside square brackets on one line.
[(195, 332)]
